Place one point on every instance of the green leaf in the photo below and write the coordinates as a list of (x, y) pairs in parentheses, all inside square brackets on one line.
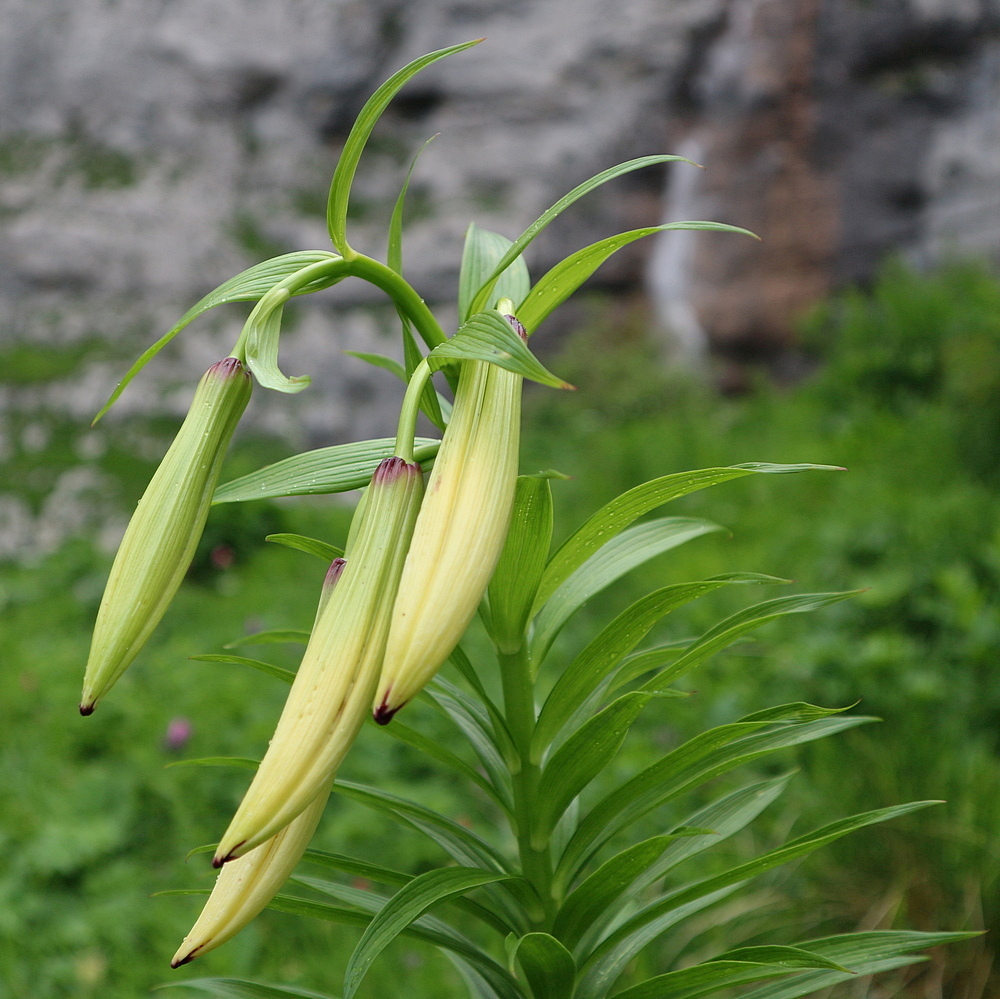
[(343, 176), (792, 850), (408, 904), (482, 252), (486, 290), (633, 547), (263, 331), (738, 624), (548, 966), (357, 868), (427, 929), (274, 637), (720, 974), (522, 561), (864, 953), (239, 762), (580, 759), (394, 252), (247, 286), (554, 287), (429, 747), (240, 988), (463, 845), (589, 909), (587, 671), (616, 515), (701, 758), (389, 364), (323, 551), (285, 675), (334, 469), (487, 336)]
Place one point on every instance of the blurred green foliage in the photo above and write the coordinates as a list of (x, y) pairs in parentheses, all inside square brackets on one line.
[(906, 394)]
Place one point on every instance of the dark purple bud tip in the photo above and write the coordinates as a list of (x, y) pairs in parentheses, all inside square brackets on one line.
[(391, 470), (335, 571), (518, 328), (383, 714), (228, 367), (86, 709), (184, 960)]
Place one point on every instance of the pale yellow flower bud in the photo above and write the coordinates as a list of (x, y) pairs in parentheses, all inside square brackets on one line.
[(333, 687), (245, 886), (459, 534), (164, 531)]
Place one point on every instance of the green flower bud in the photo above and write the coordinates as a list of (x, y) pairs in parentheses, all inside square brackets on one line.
[(164, 531), (459, 534), (333, 687), (245, 886)]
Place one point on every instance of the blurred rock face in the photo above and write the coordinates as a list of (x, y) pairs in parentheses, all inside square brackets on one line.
[(150, 151)]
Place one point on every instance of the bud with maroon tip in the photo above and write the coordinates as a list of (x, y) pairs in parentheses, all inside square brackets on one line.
[(164, 531)]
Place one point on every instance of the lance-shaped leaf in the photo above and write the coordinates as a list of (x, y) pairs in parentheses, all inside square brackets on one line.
[(482, 252), (555, 286), (616, 515), (408, 904), (739, 967), (633, 547), (588, 670), (738, 624), (262, 332), (487, 336), (334, 469), (548, 966), (654, 918), (522, 561), (285, 675), (347, 165), (707, 755), (580, 759), (276, 636), (241, 988), (323, 551), (247, 286), (486, 291), (864, 953)]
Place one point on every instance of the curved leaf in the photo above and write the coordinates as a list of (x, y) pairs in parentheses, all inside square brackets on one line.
[(347, 165), (407, 905), (247, 286), (482, 297), (310, 546), (616, 515), (482, 251), (240, 988), (633, 547), (548, 966), (334, 469), (276, 636), (487, 336), (285, 675), (555, 286)]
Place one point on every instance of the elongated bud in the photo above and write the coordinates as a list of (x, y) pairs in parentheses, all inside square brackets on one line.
[(333, 687), (164, 531), (244, 887), (459, 533)]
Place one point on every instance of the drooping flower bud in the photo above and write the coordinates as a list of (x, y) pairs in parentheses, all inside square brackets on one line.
[(245, 886), (333, 687), (164, 531), (459, 533)]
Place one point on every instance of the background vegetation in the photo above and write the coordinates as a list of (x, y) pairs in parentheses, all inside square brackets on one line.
[(905, 394)]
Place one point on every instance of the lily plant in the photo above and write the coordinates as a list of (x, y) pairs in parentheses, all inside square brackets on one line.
[(560, 894)]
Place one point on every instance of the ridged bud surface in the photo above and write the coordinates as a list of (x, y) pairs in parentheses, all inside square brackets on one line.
[(459, 533), (333, 688), (164, 531)]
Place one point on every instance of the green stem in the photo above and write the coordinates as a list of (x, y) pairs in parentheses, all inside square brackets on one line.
[(407, 426), (519, 705), (401, 292)]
